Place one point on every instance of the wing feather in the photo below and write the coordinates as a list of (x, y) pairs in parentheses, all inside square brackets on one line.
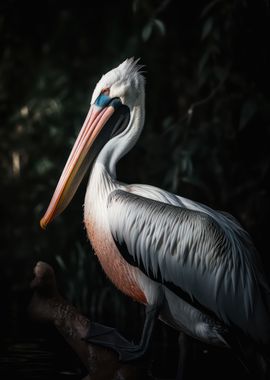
[(193, 251)]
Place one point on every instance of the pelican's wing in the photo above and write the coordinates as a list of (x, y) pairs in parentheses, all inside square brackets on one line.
[(194, 253)]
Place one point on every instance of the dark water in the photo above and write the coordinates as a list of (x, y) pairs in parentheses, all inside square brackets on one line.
[(40, 359), (36, 359)]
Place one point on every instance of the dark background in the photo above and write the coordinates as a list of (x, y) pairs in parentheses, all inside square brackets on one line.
[(206, 138)]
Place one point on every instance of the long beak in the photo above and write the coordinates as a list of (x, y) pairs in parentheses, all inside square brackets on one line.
[(77, 163)]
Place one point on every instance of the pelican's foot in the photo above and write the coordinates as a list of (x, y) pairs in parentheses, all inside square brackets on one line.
[(46, 296), (110, 338), (135, 352)]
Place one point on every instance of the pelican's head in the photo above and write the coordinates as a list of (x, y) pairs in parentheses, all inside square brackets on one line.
[(114, 98), (124, 82)]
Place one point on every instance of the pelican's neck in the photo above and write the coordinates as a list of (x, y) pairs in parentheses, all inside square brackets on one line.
[(121, 144)]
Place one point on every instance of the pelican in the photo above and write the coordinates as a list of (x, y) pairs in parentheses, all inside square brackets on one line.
[(193, 267)]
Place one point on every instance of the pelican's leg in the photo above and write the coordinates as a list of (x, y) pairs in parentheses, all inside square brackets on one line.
[(184, 349), (138, 351), (111, 338)]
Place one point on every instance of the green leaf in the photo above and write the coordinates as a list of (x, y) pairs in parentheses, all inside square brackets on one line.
[(248, 111), (203, 61), (61, 263), (208, 8), (135, 6), (147, 31), (160, 26), (207, 27)]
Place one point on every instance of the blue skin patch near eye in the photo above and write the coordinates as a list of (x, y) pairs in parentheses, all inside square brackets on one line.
[(104, 101)]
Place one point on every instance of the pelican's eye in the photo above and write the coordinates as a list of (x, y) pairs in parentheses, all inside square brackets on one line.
[(106, 91)]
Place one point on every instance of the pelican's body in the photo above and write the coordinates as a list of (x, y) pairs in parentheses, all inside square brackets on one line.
[(195, 265), (245, 306)]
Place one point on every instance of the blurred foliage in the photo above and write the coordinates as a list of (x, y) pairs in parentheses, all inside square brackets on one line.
[(207, 122)]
